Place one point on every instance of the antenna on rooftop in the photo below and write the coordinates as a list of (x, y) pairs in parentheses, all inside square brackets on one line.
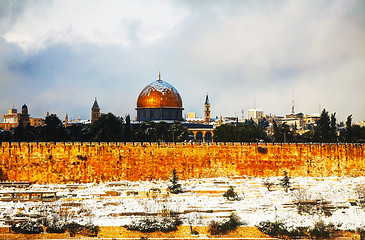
[(292, 104), (254, 102)]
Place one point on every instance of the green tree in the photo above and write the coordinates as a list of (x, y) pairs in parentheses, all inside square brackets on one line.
[(53, 131), (145, 132), (5, 136), (263, 122), (277, 135), (323, 128), (75, 133), (239, 133), (224, 133), (358, 133), (306, 137), (178, 132), (283, 133), (285, 181), (23, 133), (128, 129), (108, 128), (176, 186), (333, 129), (161, 131), (348, 132)]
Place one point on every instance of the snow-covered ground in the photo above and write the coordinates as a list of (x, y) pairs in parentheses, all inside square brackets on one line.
[(119, 203)]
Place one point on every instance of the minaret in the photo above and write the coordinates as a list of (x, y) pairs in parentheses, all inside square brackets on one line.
[(207, 110), (95, 112), (66, 120)]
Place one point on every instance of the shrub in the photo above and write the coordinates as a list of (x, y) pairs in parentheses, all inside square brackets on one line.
[(54, 225), (268, 184), (214, 228), (230, 194), (86, 230), (217, 228), (73, 228), (305, 204), (27, 227), (89, 230), (314, 207), (273, 229), (320, 229), (154, 224), (361, 232), (278, 229), (20, 215), (56, 228)]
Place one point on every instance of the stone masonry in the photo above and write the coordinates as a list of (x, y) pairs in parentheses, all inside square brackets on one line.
[(95, 162)]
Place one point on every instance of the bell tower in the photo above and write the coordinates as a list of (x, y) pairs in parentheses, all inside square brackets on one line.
[(95, 112), (24, 116), (207, 110)]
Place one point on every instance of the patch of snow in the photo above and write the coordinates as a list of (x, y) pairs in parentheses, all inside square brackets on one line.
[(202, 201)]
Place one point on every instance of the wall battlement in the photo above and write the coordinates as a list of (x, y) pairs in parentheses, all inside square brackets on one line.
[(94, 162)]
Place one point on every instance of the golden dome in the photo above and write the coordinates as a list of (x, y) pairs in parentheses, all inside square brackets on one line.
[(159, 94)]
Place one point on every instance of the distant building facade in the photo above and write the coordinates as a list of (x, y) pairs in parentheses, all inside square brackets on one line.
[(254, 114), (12, 119)]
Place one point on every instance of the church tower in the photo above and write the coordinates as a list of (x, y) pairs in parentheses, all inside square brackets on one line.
[(95, 112), (24, 116), (207, 110)]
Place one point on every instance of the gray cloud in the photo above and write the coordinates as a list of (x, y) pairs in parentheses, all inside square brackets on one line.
[(57, 56)]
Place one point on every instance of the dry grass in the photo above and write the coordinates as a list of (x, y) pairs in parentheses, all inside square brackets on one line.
[(121, 232), (182, 232)]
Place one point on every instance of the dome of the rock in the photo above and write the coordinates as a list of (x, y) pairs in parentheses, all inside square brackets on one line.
[(159, 100)]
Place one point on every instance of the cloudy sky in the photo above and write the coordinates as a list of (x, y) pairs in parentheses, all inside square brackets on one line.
[(57, 56)]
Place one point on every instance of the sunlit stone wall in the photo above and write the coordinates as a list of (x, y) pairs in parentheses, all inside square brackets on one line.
[(94, 162)]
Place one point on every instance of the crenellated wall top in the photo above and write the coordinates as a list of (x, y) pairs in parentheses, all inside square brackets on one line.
[(165, 144)]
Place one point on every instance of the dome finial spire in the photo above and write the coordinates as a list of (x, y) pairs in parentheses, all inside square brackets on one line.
[(159, 75)]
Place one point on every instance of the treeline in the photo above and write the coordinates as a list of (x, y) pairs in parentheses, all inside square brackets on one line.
[(108, 128), (326, 130)]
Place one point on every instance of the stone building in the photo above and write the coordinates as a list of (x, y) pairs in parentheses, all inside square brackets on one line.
[(13, 118)]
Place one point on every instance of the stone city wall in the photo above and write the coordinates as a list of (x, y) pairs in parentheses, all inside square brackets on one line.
[(95, 162)]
